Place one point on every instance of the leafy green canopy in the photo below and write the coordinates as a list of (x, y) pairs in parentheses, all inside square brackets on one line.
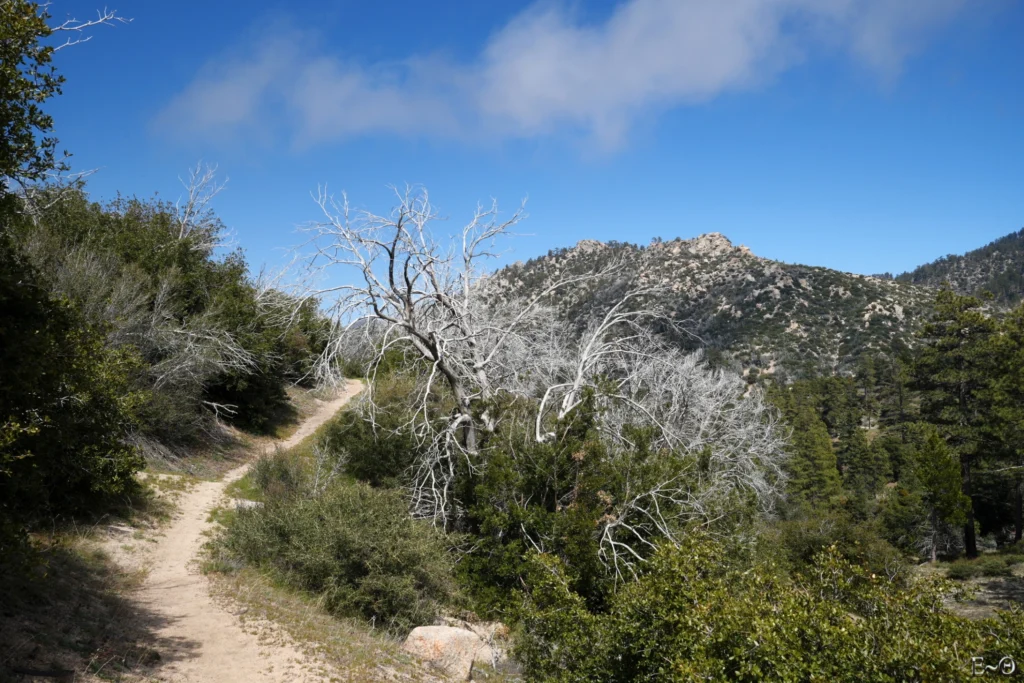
[(65, 405), (65, 398), (27, 80), (698, 615)]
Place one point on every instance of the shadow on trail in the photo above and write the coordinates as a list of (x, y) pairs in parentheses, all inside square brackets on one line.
[(70, 613)]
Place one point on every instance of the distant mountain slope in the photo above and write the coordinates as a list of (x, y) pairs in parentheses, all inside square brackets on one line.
[(997, 267), (765, 314)]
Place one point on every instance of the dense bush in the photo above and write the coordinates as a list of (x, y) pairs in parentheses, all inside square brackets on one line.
[(794, 543), (992, 565), (697, 616), (381, 455), (65, 404), (206, 333), (352, 545)]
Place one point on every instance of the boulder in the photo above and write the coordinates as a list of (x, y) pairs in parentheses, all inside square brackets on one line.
[(448, 648), (494, 637)]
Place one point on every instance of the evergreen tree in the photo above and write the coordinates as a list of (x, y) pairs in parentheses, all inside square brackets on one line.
[(895, 408), (1006, 401), (814, 477), (867, 384), (865, 467), (937, 472), (953, 374), (840, 407)]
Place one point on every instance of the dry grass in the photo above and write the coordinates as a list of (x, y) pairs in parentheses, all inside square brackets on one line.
[(68, 615), (349, 650), (68, 618)]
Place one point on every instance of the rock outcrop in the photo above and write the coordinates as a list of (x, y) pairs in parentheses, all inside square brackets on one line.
[(452, 650), (457, 647)]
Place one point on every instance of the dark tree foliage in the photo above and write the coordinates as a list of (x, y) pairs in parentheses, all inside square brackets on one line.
[(814, 477), (27, 80), (1005, 403), (952, 373), (65, 405), (65, 398), (703, 612)]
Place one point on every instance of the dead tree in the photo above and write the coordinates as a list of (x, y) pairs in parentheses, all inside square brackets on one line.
[(431, 298)]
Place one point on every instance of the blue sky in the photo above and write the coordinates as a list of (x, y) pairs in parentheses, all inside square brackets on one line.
[(864, 135)]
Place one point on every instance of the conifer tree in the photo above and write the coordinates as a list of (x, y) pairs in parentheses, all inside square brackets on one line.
[(867, 383), (814, 477), (893, 393), (865, 467), (937, 473), (953, 374), (1006, 406)]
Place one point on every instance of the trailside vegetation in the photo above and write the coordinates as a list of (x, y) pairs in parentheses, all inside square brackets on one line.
[(638, 514), (127, 329)]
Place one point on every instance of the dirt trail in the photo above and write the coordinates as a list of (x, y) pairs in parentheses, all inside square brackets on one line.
[(199, 641)]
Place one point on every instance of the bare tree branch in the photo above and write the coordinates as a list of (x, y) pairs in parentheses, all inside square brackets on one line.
[(76, 28), (469, 346)]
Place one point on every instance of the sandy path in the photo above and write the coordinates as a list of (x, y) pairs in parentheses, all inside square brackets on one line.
[(197, 639)]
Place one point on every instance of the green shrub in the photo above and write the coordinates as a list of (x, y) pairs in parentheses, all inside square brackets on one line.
[(381, 455), (795, 543), (962, 570), (278, 475), (354, 546), (66, 406), (694, 615), (993, 566)]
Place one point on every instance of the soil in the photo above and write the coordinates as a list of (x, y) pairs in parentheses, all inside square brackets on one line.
[(197, 639)]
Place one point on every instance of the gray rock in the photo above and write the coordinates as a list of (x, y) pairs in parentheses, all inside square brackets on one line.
[(450, 649)]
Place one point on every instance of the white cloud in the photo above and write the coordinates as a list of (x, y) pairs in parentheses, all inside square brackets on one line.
[(547, 70), (233, 92)]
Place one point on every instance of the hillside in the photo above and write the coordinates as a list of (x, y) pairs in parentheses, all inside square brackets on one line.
[(997, 267), (766, 314)]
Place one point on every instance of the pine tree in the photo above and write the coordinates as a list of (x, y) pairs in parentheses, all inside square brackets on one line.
[(953, 372), (895, 407), (867, 384), (937, 473), (865, 467), (814, 477), (1006, 406)]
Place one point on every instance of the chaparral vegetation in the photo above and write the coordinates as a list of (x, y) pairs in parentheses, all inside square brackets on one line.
[(679, 462)]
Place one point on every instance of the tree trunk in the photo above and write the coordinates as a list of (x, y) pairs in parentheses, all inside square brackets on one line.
[(970, 540), (1018, 509), (935, 534)]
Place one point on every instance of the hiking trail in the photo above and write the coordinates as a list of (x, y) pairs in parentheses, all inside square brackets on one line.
[(199, 640)]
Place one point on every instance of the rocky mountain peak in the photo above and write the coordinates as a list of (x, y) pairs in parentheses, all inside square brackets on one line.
[(590, 246), (756, 312), (710, 244)]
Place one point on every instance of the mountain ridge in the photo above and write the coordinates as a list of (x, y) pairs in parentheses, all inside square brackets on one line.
[(743, 308), (997, 267)]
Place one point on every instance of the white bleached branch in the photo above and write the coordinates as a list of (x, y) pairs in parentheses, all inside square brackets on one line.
[(76, 29), (470, 347)]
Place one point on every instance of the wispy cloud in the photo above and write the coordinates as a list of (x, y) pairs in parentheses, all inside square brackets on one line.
[(547, 70)]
